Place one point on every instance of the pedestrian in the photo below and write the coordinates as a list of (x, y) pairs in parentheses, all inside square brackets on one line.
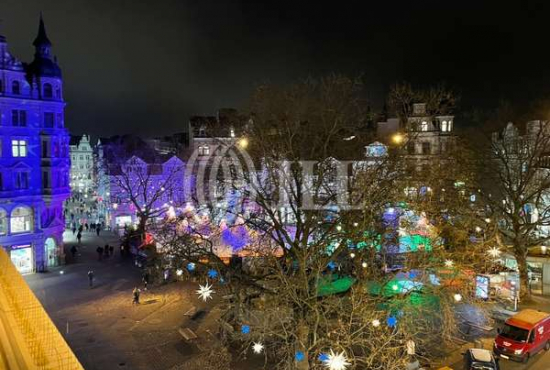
[(145, 280), (73, 251), (121, 250), (97, 229), (79, 237), (80, 228), (111, 250), (74, 229), (135, 293), (99, 251), (86, 226), (106, 250), (91, 278)]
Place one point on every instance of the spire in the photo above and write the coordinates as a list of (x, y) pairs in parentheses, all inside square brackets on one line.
[(41, 39)]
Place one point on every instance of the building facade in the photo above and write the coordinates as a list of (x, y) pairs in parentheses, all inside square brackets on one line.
[(34, 157), (82, 165)]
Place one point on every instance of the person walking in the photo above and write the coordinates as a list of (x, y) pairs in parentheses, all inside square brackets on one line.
[(97, 229), (135, 293), (73, 252), (74, 229), (86, 226), (91, 278), (111, 250), (106, 250), (99, 251), (79, 237)]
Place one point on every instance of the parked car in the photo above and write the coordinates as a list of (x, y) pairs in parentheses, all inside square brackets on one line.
[(523, 335), (480, 359)]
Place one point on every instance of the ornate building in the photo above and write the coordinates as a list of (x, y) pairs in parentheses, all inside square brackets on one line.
[(34, 158), (82, 165)]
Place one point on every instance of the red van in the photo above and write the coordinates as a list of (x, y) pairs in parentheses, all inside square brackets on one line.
[(523, 335)]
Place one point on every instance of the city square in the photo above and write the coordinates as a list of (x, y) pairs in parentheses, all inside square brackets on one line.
[(274, 185)]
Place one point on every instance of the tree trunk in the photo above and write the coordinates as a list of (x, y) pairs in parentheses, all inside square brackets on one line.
[(302, 345), (524, 288)]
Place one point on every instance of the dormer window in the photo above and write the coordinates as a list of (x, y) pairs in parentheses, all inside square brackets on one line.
[(16, 88), (446, 126), (48, 91), (424, 126)]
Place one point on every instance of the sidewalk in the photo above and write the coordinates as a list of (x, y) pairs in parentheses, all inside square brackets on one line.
[(101, 325)]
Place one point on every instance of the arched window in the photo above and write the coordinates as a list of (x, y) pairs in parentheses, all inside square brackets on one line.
[(3, 222), (21, 220), (16, 88), (48, 91)]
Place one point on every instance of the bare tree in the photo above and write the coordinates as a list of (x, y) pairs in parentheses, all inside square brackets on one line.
[(312, 212), (145, 181), (516, 181)]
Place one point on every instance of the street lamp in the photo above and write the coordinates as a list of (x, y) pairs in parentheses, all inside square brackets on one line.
[(398, 138), (243, 142)]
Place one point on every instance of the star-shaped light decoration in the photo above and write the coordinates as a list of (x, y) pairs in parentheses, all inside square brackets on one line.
[(191, 266), (299, 356), (245, 329), (449, 263), (205, 291), (391, 321), (212, 274), (336, 361), (257, 347)]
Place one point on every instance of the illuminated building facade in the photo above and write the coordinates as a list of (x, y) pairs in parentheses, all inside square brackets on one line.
[(82, 164), (34, 158)]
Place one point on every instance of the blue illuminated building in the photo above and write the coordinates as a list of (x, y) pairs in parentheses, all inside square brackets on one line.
[(34, 158)]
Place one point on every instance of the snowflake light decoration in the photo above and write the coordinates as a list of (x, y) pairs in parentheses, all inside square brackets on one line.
[(391, 321), (191, 266), (299, 356), (449, 263), (205, 291), (337, 361), (257, 347), (245, 329)]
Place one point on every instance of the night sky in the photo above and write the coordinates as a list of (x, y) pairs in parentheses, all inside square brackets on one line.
[(145, 66)]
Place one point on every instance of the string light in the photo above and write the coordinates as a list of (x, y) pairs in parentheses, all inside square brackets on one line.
[(336, 361), (205, 292), (449, 263), (257, 347)]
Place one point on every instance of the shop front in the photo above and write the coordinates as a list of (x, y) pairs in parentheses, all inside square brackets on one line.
[(22, 258)]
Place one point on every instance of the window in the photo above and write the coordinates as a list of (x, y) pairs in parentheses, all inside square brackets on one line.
[(21, 220), (59, 120), (1, 181), (426, 148), (424, 126), (49, 120), (58, 93), (411, 148), (45, 151), (16, 88), (1, 86), (444, 126), (21, 180), (204, 150), (19, 118), (46, 179), (48, 91), (19, 148), (3, 222), (81, 157)]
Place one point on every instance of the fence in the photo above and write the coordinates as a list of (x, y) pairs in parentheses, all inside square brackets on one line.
[(28, 337)]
